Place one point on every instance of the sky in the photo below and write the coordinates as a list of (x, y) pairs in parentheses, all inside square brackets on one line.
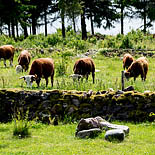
[(129, 24)]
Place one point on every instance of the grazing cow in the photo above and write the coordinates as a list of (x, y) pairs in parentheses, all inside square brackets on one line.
[(41, 68), (138, 67), (84, 66), (7, 52), (24, 59), (127, 60)]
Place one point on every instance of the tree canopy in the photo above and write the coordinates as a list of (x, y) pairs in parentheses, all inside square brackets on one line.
[(23, 14)]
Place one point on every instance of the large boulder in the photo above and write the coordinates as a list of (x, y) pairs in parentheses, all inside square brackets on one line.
[(114, 135), (91, 133)]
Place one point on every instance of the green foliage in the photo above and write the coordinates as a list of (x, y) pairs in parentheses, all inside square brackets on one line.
[(53, 39), (126, 43), (6, 40), (61, 67), (21, 125)]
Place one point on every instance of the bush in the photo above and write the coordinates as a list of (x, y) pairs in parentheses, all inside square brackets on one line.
[(126, 43), (6, 40), (53, 39), (21, 125), (61, 67)]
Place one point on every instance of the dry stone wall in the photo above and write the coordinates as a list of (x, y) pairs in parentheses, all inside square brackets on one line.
[(44, 105)]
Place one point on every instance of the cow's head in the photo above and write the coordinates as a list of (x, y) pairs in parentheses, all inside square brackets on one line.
[(29, 79), (19, 68), (76, 76), (127, 75)]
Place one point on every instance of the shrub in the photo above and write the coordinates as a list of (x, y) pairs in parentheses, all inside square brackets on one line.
[(53, 39), (126, 43), (21, 125), (61, 67), (6, 40)]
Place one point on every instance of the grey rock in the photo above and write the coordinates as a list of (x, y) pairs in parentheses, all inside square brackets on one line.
[(76, 102), (115, 135), (98, 93), (88, 123), (90, 92), (119, 92), (106, 125), (89, 133), (51, 50), (130, 88)]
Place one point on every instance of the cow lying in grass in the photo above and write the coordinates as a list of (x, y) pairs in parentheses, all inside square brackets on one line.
[(138, 67), (84, 67), (7, 53), (127, 60), (24, 59), (40, 68)]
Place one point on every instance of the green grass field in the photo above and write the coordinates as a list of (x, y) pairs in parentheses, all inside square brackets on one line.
[(58, 140), (108, 77), (61, 140)]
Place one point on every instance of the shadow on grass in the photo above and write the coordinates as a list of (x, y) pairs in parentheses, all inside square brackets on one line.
[(3, 146), (3, 130)]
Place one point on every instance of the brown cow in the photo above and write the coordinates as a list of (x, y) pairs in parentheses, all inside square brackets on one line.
[(84, 66), (40, 68), (127, 60), (138, 67), (7, 52), (24, 59)]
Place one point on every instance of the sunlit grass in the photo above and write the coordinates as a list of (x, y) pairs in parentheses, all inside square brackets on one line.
[(57, 140), (108, 77)]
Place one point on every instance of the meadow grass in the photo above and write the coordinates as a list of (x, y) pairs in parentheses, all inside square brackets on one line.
[(58, 140), (108, 77)]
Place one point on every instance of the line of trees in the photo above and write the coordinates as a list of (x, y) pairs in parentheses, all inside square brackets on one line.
[(30, 14)]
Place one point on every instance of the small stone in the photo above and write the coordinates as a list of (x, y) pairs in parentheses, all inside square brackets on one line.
[(51, 50), (88, 133), (41, 51), (130, 88), (147, 91), (114, 135), (110, 89), (119, 92), (98, 93), (76, 102), (90, 92)]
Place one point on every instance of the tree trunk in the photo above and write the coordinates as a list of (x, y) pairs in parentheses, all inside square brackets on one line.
[(30, 30), (17, 29), (25, 32), (34, 23), (45, 17), (13, 28), (92, 25), (63, 25), (73, 19), (122, 18), (9, 29), (83, 26), (144, 18)]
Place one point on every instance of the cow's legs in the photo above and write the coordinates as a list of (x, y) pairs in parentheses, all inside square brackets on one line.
[(93, 76), (11, 63), (38, 81), (52, 80), (46, 81)]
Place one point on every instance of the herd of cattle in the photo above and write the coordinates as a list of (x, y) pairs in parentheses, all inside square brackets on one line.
[(44, 67)]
